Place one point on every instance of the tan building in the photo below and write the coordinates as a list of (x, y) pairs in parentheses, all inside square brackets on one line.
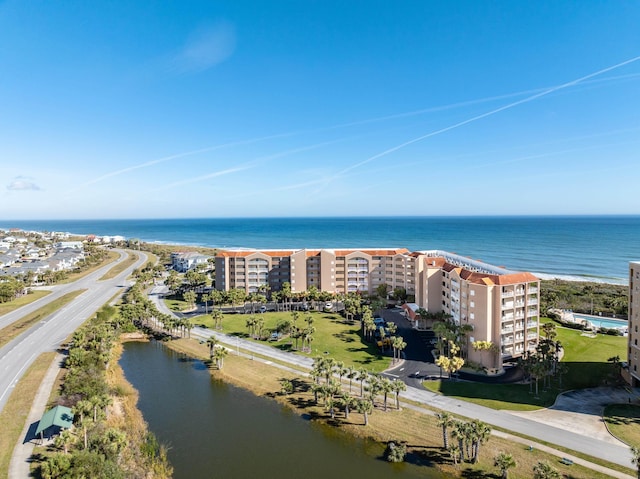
[(502, 306), (634, 321)]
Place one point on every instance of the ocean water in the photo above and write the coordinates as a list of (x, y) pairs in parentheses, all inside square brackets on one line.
[(593, 248)]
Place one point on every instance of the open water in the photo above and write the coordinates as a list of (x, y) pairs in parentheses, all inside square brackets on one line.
[(590, 248)]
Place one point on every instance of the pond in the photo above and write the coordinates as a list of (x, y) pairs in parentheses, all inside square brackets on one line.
[(214, 429)]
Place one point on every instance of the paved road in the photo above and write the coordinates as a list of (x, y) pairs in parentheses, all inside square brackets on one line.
[(562, 437), (17, 355)]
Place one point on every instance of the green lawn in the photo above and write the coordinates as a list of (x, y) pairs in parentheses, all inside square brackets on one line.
[(585, 357), (623, 421), (334, 337)]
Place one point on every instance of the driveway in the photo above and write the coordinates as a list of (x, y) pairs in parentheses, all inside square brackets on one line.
[(581, 411)]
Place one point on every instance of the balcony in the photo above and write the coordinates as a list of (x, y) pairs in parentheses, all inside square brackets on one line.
[(507, 317), (532, 312), (506, 330), (533, 289), (507, 351), (520, 291), (532, 324), (532, 302), (507, 305), (531, 336), (507, 294)]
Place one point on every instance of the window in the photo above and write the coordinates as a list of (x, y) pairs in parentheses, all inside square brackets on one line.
[(473, 292), (472, 316), (472, 304)]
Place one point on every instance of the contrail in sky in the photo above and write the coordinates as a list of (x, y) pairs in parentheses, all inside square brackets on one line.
[(180, 155), (543, 92), (246, 166), (485, 115)]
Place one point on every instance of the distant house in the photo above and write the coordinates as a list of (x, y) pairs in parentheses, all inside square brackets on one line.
[(183, 262), (68, 244)]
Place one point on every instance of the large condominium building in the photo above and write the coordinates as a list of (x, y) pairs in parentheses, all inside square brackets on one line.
[(634, 321), (502, 306)]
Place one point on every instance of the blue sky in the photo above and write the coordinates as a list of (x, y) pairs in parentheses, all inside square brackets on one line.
[(318, 108)]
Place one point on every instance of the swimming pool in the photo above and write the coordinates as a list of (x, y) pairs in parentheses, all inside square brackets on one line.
[(601, 322)]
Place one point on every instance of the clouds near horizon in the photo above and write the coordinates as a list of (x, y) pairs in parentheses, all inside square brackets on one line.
[(23, 183)]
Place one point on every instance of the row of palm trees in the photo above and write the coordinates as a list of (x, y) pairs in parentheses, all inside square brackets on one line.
[(140, 310), (335, 395)]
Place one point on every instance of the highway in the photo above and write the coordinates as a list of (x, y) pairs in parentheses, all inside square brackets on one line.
[(17, 355)]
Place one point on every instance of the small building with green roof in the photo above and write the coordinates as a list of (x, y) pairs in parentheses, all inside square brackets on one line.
[(59, 417)]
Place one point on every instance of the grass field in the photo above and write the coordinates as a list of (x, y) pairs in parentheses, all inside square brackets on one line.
[(22, 301), (623, 421), (120, 267), (585, 357), (15, 412), (334, 337), (18, 327)]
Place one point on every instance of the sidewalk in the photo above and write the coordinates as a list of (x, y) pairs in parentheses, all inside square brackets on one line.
[(21, 458)]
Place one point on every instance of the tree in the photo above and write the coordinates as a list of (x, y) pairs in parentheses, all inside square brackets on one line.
[(190, 298), (347, 401), (212, 343), (219, 353), (362, 376), (544, 470), (65, 439), (398, 387), (480, 433), (386, 387), (504, 462), (395, 451), (205, 299), (217, 317), (445, 420), (365, 407)]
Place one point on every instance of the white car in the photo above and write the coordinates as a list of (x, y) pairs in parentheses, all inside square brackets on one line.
[(328, 305)]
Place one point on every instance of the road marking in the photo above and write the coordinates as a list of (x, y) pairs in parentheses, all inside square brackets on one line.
[(401, 369), (389, 374)]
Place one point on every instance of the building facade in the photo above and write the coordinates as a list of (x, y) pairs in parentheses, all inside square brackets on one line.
[(633, 360), (501, 306)]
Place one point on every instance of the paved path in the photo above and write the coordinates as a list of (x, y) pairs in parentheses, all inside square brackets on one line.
[(554, 434), (20, 460)]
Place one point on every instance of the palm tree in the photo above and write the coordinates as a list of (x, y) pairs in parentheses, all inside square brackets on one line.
[(65, 439), (219, 354), (544, 470), (217, 317), (504, 462), (445, 420), (398, 387), (205, 299), (373, 388), (365, 407), (454, 451), (386, 387), (362, 376), (480, 433), (211, 342), (347, 401), (352, 373)]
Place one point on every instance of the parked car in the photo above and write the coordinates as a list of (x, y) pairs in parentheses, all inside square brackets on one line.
[(263, 309), (328, 305)]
